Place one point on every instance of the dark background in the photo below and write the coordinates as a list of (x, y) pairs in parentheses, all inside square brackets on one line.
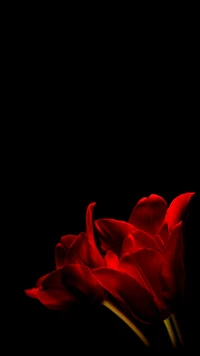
[(95, 117)]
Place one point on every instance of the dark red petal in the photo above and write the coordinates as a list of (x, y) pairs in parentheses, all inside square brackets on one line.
[(173, 272), (84, 252), (148, 214), (145, 266), (111, 259), (112, 233), (177, 208), (89, 222), (132, 297), (60, 255), (80, 279), (62, 249), (50, 291)]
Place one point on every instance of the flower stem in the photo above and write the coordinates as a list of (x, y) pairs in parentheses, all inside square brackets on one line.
[(176, 326), (170, 332), (127, 321)]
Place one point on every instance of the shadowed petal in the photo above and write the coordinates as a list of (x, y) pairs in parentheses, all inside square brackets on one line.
[(82, 282), (84, 252), (173, 272), (132, 297), (62, 249), (112, 233)]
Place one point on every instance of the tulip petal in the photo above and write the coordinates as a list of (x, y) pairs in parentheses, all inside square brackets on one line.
[(111, 259), (50, 291), (164, 234), (132, 297), (89, 222), (176, 210), (85, 253), (139, 239), (148, 214), (111, 233), (173, 271), (144, 266), (62, 249), (82, 282)]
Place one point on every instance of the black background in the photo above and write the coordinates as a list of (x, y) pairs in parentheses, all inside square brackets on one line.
[(94, 122)]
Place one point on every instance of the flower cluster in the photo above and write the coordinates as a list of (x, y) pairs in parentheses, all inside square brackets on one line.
[(139, 264)]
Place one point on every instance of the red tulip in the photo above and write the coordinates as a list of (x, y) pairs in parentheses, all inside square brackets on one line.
[(146, 252), (72, 280)]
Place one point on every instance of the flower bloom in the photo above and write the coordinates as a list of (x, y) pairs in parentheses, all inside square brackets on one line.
[(144, 257), (72, 280)]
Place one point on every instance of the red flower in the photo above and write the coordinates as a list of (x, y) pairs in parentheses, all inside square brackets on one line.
[(145, 257), (72, 280)]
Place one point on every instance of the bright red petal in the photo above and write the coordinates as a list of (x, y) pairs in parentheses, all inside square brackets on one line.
[(85, 253), (50, 291), (112, 260), (112, 233), (132, 297), (148, 214), (177, 208)]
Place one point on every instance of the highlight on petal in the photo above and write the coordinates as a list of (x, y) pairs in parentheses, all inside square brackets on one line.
[(112, 260), (50, 291), (80, 280), (89, 222), (148, 214), (85, 253), (132, 297), (111, 234), (176, 210)]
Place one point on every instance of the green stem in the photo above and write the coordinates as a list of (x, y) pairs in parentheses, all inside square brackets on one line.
[(126, 320)]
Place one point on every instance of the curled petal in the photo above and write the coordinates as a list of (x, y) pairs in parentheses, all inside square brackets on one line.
[(148, 214), (112, 233), (132, 297), (89, 222), (177, 208)]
